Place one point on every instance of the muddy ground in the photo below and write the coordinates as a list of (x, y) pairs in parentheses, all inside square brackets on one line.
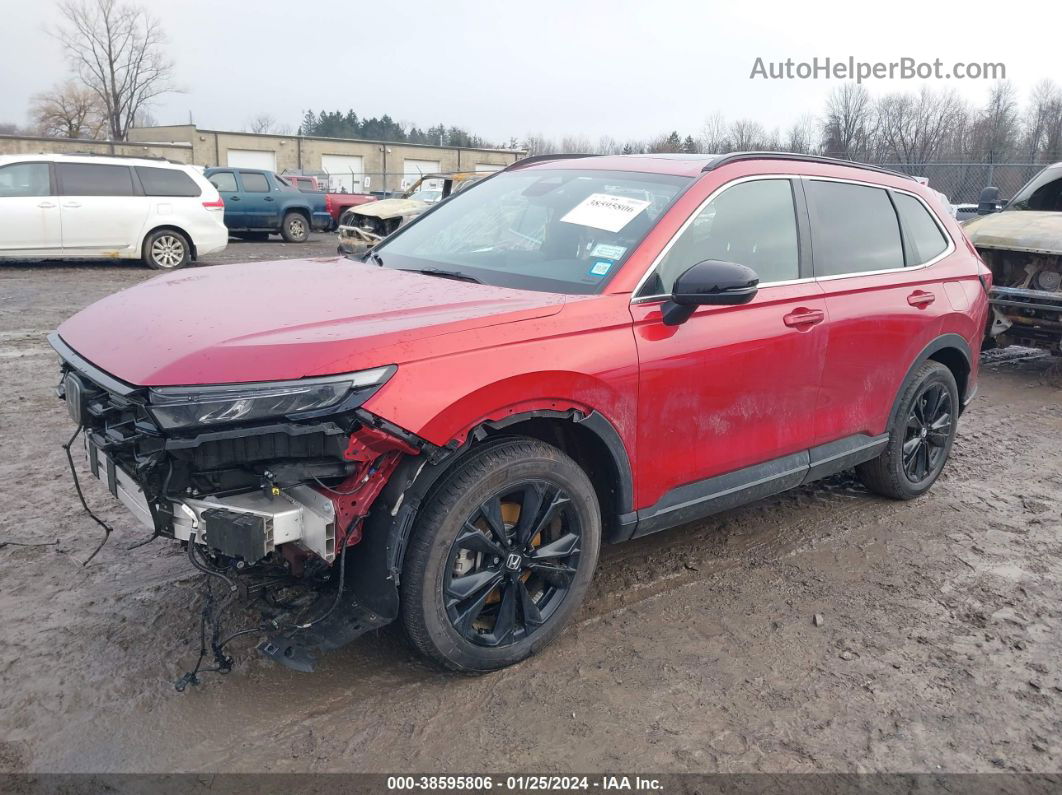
[(940, 647)]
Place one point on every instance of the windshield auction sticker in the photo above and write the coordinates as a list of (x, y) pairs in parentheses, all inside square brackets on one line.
[(604, 211)]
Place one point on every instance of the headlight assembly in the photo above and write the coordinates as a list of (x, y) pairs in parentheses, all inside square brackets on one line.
[(190, 406)]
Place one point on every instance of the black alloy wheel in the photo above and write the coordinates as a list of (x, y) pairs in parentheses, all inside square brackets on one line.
[(929, 429), (512, 563), (921, 434), (501, 555)]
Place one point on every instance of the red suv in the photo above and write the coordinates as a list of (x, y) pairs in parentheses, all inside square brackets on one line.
[(576, 350)]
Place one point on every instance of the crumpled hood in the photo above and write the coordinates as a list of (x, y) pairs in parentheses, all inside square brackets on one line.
[(272, 321), (1018, 230), (392, 208)]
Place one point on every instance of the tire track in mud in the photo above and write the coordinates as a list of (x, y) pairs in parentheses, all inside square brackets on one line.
[(694, 650)]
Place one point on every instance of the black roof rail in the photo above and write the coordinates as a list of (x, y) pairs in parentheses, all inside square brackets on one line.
[(527, 161), (129, 157), (737, 157)]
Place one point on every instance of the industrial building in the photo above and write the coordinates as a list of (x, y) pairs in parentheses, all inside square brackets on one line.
[(349, 164)]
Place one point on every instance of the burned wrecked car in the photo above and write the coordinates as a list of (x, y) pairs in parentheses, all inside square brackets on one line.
[(365, 226), (1023, 247)]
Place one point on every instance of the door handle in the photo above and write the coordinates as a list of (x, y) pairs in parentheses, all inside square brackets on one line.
[(921, 299), (71, 204), (46, 205), (800, 318), (232, 199), (269, 198)]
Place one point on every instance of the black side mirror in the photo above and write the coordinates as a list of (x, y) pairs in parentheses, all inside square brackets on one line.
[(710, 282), (988, 202)]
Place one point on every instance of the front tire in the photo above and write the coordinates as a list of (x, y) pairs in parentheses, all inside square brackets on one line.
[(501, 556), (166, 250), (295, 228), (920, 438)]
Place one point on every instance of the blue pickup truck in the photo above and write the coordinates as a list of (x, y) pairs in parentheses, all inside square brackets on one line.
[(258, 203)]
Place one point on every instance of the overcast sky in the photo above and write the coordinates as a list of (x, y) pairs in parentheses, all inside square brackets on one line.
[(500, 69)]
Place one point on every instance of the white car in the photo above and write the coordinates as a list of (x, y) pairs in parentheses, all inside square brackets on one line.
[(87, 206)]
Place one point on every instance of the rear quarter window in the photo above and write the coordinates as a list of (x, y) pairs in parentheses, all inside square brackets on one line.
[(854, 229), (924, 238), (166, 182), (254, 183), (224, 181), (92, 179)]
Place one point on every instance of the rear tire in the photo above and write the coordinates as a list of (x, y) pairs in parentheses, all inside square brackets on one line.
[(166, 250), (295, 228), (500, 557), (920, 438)]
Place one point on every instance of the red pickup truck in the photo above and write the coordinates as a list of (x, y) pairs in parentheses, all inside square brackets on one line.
[(334, 203)]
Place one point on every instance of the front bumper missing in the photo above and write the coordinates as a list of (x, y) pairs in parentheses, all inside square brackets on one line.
[(297, 514), (355, 240)]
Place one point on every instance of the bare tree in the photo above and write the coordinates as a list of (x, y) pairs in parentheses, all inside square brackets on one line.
[(264, 123), (847, 129), (912, 127), (539, 145), (714, 135), (996, 130), (1043, 123), (801, 137), (6, 128), (575, 144), (68, 110), (116, 50), (746, 135), (607, 145)]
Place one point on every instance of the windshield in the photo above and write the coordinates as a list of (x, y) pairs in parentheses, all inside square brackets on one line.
[(557, 231), (429, 196), (1043, 192)]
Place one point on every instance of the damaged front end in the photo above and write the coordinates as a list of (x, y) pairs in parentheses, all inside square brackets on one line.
[(1022, 246), (267, 485), (1026, 298)]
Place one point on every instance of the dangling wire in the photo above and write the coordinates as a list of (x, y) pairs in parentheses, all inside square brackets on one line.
[(107, 530), (211, 614)]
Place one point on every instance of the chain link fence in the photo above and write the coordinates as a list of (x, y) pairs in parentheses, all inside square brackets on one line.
[(378, 183), (962, 182)]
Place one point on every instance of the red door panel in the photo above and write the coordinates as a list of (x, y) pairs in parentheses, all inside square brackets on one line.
[(878, 326), (731, 387)]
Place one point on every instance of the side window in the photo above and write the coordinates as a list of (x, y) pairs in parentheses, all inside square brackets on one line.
[(166, 182), (224, 181), (924, 238), (752, 223), (25, 179), (254, 183), (854, 229), (91, 179)]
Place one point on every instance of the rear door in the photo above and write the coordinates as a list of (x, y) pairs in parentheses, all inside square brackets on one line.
[(229, 188), (29, 211), (103, 209), (734, 387), (884, 299), (259, 205)]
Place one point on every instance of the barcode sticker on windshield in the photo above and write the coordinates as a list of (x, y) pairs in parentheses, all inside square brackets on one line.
[(605, 211)]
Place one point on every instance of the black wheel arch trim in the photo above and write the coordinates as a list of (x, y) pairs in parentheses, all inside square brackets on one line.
[(376, 561), (943, 342)]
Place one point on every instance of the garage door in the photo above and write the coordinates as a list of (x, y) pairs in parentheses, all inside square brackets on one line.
[(345, 172), (251, 158), (413, 170), (487, 168)]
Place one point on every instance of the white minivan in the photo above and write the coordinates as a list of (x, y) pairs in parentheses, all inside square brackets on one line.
[(87, 206)]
